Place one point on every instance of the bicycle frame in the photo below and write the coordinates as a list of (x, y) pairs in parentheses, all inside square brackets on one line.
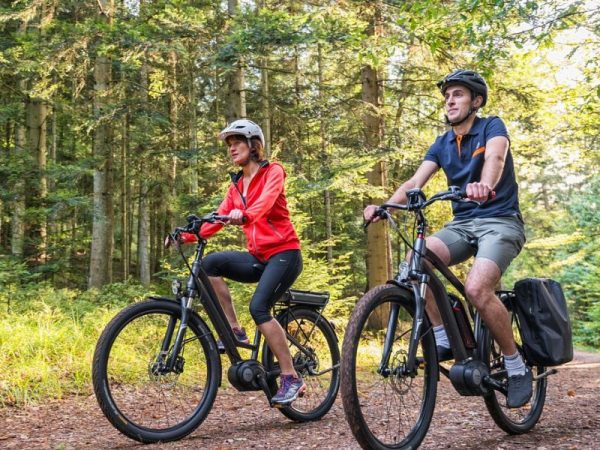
[(199, 286), (421, 276)]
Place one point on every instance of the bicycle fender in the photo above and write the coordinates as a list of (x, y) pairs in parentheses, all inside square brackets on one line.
[(401, 285), (156, 297)]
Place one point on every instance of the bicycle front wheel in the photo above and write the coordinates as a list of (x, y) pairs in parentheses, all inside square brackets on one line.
[(389, 408), (137, 393), (512, 420), (314, 349)]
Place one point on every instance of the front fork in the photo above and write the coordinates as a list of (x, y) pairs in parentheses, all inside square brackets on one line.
[(186, 305), (411, 363)]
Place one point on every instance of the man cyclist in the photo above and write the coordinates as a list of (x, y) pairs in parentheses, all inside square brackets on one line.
[(475, 155)]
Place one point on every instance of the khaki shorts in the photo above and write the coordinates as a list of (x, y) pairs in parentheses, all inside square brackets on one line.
[(499, 239)]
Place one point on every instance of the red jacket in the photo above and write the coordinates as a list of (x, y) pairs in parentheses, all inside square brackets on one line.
[(268, 228)]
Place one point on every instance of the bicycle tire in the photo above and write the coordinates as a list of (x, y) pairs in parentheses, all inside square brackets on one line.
[(143, 405), (511, 420), (316, 335), (377, 407)]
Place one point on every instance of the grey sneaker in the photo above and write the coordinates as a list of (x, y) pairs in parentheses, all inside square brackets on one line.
[(290, 388), (519, 389), (240, 335)]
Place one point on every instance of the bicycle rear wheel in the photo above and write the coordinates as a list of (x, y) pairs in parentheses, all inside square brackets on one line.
[(142, 401), (512, 420), (314, 348), (390, 410)]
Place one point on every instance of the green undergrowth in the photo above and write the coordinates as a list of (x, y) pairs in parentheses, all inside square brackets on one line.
[(47, 339)]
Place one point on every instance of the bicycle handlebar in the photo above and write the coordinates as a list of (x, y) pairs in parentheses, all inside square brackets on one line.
[(417, 201), (194, 224)]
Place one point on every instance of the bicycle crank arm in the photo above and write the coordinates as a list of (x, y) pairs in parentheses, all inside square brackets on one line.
[(545, 374), (326, 370), (262, 381)]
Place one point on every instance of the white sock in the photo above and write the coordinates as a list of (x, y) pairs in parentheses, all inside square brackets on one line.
[(514, 364), (441, 338)]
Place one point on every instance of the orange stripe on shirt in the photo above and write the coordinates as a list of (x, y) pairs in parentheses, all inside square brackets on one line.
[(478, 151)]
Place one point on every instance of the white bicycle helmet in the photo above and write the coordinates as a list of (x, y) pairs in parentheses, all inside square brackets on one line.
[(243, 127)]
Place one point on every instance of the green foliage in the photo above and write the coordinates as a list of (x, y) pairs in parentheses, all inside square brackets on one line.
[(170, 63), (48, 337)]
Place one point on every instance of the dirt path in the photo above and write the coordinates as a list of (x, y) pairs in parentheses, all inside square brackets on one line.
[(571, 420)]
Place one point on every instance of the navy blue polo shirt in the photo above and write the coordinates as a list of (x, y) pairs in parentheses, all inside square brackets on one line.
[(462, 158)]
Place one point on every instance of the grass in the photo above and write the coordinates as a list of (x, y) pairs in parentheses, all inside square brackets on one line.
[(47, 340), (48, 337)]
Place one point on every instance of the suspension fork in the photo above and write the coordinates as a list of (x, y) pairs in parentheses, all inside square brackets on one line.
[(411, 359), (186, 303), (419, 281), (415, 334), (384, 368)]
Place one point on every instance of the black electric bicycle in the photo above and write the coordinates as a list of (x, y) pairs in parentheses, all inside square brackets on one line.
[(156, 367), (390, 367)]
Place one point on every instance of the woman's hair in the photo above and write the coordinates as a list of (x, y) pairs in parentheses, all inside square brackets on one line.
[(257, 152)]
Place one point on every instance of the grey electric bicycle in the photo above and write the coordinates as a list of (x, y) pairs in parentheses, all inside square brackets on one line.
[(390, 368), (156, 367)]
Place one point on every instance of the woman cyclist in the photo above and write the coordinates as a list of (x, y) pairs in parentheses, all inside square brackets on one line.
[(256, 202)]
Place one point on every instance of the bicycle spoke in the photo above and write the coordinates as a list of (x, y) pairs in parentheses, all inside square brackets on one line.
[(315, 355), (385, 406), (137, 391)]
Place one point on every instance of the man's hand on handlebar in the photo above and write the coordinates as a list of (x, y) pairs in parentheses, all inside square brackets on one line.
[(369, 214), (172, 239), (479, 192)]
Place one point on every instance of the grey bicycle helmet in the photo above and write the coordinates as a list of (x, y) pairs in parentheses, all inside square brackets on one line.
[(468, 78), (243, 127)]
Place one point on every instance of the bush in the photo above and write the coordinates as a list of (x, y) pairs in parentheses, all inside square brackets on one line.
[(48, 338)]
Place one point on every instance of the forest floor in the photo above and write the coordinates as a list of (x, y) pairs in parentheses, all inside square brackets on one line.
[(571, 420)]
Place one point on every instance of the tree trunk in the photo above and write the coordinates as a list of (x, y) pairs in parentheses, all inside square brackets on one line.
[(17, 242), (193, 131), (143, 250), (236, 94), (143, 254), (102, 227), (325, 161), (37, 112), (125, 200), (173, 142), (378, 243), (266, 105)]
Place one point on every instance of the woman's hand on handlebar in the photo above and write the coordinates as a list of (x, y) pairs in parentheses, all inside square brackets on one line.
[(236, 217)]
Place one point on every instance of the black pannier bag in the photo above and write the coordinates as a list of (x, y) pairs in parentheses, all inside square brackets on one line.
[(544, 322)]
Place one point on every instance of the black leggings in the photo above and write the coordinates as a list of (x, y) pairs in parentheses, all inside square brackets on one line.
[(274, 277)]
